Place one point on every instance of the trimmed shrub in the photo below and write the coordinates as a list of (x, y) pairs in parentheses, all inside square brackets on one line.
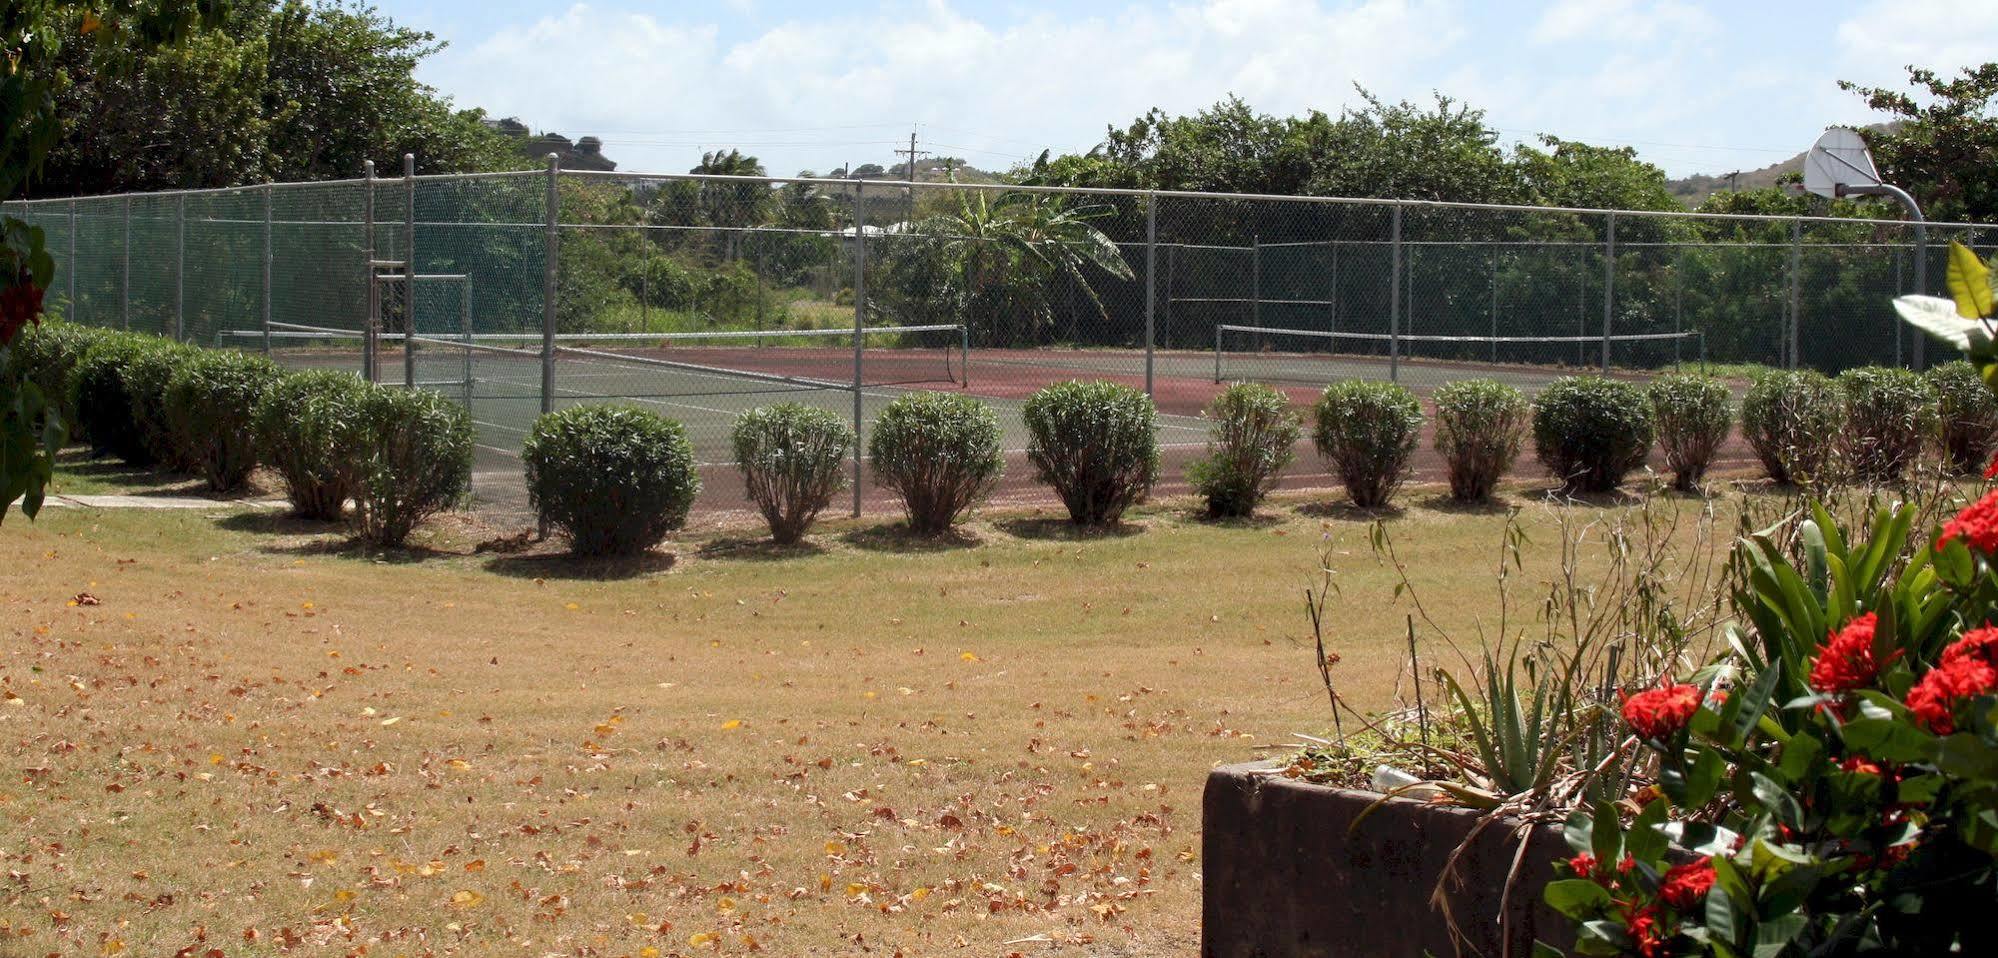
[(103, 401), (406, 456), (48, 355), (1480, 426), (1590, 432), (1789, 418), (939, 452), (146, 378), (615, 479), (1968, 416), (1097, 444), (299, 428), (1693, 414), (211, 400), (1889, 416), (793, 458), (1368, 430), (1251, 441)]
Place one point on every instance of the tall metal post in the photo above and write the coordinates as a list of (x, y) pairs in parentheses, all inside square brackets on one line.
[(1678, 304), (1921, 279), (1172, 263), (180, 267), (374, 293), (409, 271), (465, 327), (125, 272), (1256, 281), (1794, 307), (859, 322), (69, 265), (552, 252), (1151, 274), (1898, 290), (1333, 326), (1394, 297), (1494, 316), (1609, 287), (268, 197)]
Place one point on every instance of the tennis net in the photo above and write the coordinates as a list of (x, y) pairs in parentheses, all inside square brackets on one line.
[(1278, 354)]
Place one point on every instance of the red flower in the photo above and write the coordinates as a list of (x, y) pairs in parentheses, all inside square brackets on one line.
[(1846, 661), (1976, 525), (1660, 712), (1685, 886), (1860, 764), (1583, 865), (1979, 644), (1935, 697), (20, 304), (1646, 934)]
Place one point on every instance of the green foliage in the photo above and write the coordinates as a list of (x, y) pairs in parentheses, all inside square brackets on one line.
[(1368, 430), (300, 426), (1096, 443), (146, 376), (1940, 140), (1590, 432), (615, 479), (1480, 426), (939, 452), (1968, 414), (407, 456), (103, 401), (1889, 416), (272, 92), (1792, 420), (209, 403), (1250, 441), (793, 458), (1693, 414), (48, 356)]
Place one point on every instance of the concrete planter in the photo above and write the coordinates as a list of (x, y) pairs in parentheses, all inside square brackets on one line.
[(1285, 874)]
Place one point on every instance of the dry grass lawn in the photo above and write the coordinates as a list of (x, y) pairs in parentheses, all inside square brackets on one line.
[(227, 733)]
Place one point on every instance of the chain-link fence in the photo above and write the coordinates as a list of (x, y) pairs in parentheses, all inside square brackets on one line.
[(701, 297)]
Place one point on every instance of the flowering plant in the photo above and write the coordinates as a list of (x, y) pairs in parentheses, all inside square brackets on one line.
[(1831, 786)]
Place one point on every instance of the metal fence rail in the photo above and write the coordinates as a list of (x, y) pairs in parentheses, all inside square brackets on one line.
[(704, 296)]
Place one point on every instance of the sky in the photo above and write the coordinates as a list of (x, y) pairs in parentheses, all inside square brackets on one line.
[(1695, 87)]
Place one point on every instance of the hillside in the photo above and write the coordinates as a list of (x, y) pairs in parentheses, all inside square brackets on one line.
[(1694, 190)]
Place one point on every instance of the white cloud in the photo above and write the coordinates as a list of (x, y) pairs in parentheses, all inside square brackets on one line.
[(1943, 35), (1040, 78), (1622, 21)]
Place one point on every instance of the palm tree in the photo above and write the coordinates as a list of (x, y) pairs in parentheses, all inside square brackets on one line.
[(1001, 261)]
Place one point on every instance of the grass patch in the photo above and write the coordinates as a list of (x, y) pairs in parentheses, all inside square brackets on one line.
[(258, 729)]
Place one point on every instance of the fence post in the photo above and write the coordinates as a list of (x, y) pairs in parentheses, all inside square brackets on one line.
[(1151, 286), (1921, 281), (1172, 263), (1332, 326), (269, 197), (180, 267), (552, 253), (1494, 315), (409, 271), (368, 271), (1609, 286), (1256, 283), (465, 323), (859, 322), (1796, 275), (69, 267), (1394, 297), (125, 272)]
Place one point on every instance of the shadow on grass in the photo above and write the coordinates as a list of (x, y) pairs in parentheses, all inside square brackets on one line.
[(279, 522), (562, 565), (1062, 530), (1262, 518), (757, 549), (342, 546), (1493, 505), (1561, 495), (898, 537), (1341, 509)]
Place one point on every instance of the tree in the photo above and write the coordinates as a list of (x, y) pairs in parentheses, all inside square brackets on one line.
[(33, 34), (1943, 143), (279, 91)]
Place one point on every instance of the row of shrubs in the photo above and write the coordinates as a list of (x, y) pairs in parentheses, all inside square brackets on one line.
[(1591, 432), (399, 455)]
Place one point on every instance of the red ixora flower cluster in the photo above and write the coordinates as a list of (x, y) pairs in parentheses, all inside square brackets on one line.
[(1647, 933), (1685, 886), (1969, 668), (1976, 525), (1846, 661), (20, 304), (1658, 713)]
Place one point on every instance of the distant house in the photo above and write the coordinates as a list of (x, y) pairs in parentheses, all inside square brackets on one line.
[(584, 154)]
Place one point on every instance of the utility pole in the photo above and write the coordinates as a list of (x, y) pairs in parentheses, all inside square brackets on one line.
[(911, 153)]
